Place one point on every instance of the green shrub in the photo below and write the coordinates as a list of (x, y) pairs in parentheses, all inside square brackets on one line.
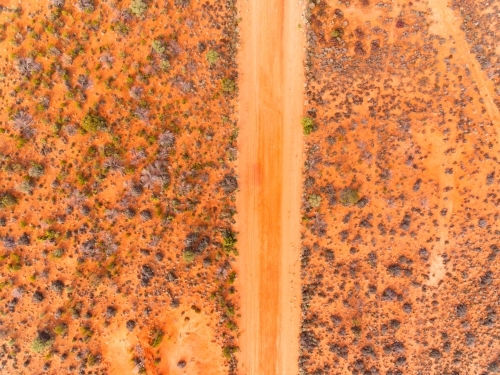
[(61, 329), (42, 342), (138, 7), (229, 241), (349, 197), (58, 253), (228, 85), (93, 122), (212, 57), (49, 236), (188, 256), (307, 125), (91, 360), (164, 65), (156, 337), (86, 332), (228, 351), (337, 33)]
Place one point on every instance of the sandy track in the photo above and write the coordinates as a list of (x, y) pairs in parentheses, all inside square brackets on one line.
[(269, 166)]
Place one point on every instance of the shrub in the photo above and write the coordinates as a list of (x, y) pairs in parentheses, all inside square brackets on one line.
[(8, 200), (314, 200), (156, 337), (26, 186), (158, 47), (181, 3), (307, 125), (58, 253), (61, 329), (212, 57), (228, 351), (42, 342), (229, 184), (349, 197), (188, 256), (228, 85), (138, 7), (86, 332), (229, 241), (164, 65), (337, 33), (86, 6), (57, 3), (93, 122), (49, 236), (36, 170)]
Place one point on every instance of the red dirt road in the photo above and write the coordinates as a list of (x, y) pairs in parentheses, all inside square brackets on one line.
[(269, 167)]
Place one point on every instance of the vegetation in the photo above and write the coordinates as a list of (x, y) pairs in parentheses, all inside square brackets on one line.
[(314, 200), (307, 125), (229, 243), (61, 329), (93, 122), (188, 256), (138, 7), (349, 196), (36, 170), (42, 342), (7, 200), (158, 46), (156, 337), (229, 351), (212, 57), (337, 33), (228, 85)]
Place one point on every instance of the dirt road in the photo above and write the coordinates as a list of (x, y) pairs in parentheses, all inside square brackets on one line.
[(269, 168)]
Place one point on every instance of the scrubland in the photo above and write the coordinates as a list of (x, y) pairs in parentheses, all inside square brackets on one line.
[(117, 149), (400, 201)]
